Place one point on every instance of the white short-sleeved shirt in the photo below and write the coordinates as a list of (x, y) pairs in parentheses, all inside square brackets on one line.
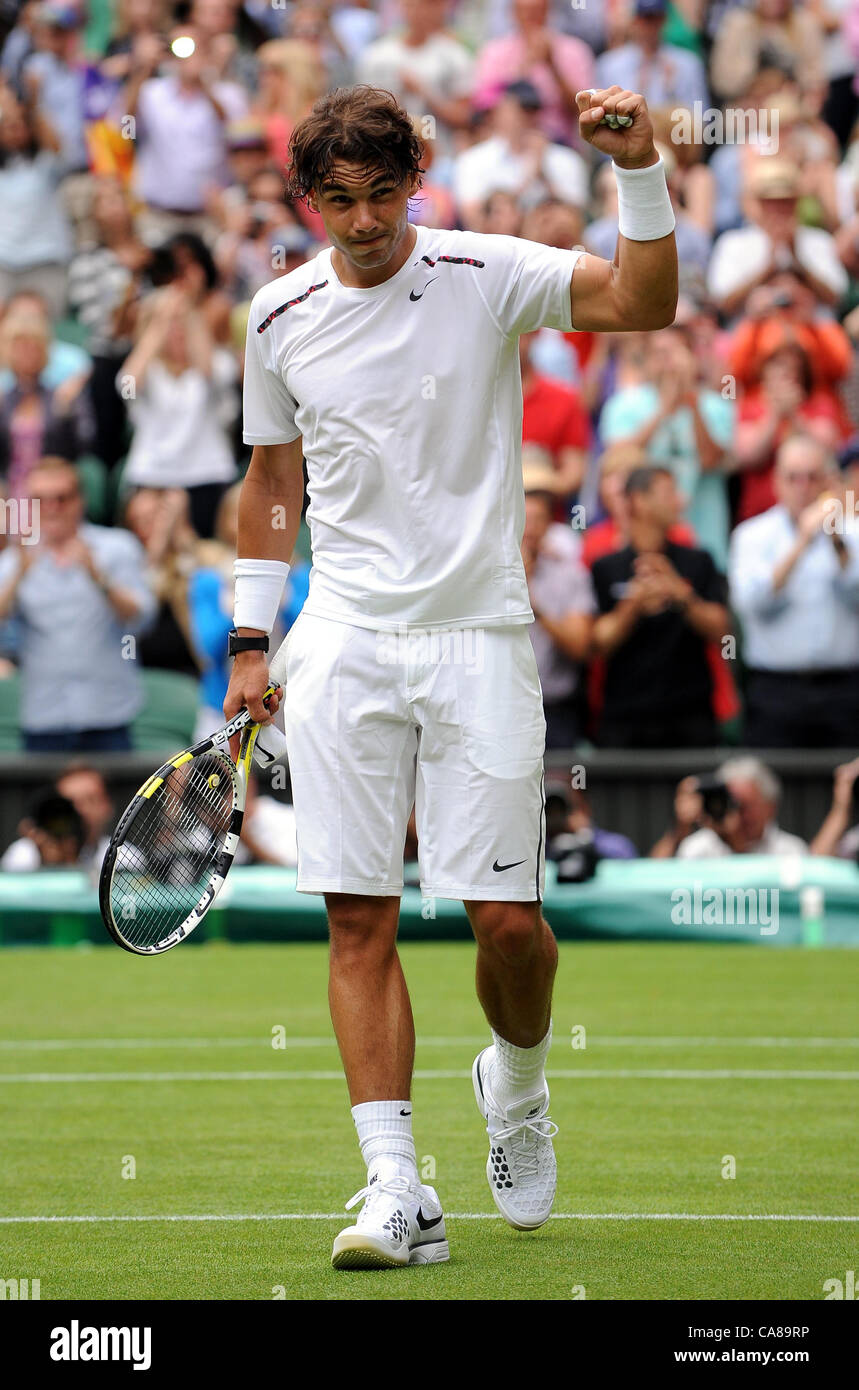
[(744, 253), (409, 401), (493, 167), (180, 425)]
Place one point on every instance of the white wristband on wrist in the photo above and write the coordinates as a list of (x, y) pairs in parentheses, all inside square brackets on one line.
[(644, 211), (259, 591)]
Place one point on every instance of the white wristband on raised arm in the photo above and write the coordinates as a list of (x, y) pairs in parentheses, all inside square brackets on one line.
[(259, 591), (644, 211)]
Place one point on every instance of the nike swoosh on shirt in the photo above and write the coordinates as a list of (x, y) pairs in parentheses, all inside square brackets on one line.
[(499, 868), (415, 297)]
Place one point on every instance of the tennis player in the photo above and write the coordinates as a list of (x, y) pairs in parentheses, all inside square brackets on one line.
[(390, 364)]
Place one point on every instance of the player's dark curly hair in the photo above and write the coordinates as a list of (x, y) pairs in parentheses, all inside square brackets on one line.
[(362, 125)]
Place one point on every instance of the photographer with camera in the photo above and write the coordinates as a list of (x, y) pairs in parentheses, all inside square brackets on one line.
[(732, 811), (182, 108), (794, 579)]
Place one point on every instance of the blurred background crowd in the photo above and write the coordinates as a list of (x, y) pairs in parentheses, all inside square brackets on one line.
[(690, 543)]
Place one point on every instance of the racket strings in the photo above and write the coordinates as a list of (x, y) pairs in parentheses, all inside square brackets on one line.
[(167, 860)]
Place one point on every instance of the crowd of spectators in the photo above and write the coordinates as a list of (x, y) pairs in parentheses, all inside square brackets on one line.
[(690, 545)]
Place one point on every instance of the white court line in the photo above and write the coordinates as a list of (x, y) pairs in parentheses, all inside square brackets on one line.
[(475, 1040), (449, 1216), (585, 1074)]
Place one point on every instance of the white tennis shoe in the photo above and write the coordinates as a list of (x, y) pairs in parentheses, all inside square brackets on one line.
[(521, 1166), (400, 1223)]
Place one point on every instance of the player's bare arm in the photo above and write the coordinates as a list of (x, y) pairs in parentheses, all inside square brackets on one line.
[(269, 518), (637, 291)]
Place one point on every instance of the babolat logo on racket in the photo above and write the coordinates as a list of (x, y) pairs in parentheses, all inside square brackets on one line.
[(233, 727)]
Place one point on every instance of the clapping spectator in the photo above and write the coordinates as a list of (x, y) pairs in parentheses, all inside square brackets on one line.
[(795, 588), (556, 64), (562, 602), (65, 359), (773, 241), (429, 70), (683, 425), (610, 532), (104, 284), (195, 274), (181, 121), (784, 400), (781, 311), (659, 604), (309, 23), (53, 78), (517, 158), (81, 597), (766, 32), (35, 237), (35, 420), (182, 405), (218, 27), (665, 74), (135, 20), (743, 819)]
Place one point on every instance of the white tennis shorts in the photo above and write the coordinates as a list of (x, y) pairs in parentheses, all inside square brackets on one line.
[(450, 722)]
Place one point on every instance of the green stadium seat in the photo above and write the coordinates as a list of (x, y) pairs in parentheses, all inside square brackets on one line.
[(69, 330), (166, 722), (10, 730), (101, 19), (93, 475)]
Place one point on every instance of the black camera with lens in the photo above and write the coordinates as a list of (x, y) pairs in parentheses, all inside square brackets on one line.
[(716, 798)]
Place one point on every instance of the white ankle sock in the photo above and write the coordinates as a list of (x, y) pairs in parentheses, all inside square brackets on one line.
[(518, 1071), (385, 1135)]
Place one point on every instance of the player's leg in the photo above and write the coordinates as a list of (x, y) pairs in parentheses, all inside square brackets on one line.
[(517, 957), (352, 747), (370, 1006), (481, 831), (401, 1221)]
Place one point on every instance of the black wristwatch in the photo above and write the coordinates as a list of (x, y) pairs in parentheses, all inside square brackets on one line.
[(246, 644)]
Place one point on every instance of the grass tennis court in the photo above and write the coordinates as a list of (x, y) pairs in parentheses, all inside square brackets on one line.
[(694, 1053)]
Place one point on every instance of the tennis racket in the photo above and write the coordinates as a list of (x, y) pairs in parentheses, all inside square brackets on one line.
[(173, 847)]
